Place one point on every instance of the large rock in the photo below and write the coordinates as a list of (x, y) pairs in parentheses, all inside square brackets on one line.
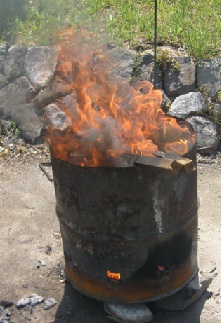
[(187, 105), (207, 133), (56, 118), (14, 62), (40, 64), (20, 91), (28, 122), (129, 313), (117, 64), (14, 106), (50, 94), (70, 103), (181, 79), (209, 76), (147, 73)]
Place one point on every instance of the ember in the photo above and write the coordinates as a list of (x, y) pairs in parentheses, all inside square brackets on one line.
[(113, 276), (109, 120)]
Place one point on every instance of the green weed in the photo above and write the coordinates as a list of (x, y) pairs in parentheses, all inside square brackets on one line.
[(193, 24), (164, 58)]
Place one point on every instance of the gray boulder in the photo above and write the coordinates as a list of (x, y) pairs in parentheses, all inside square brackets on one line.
[(207, 133), (40, 64), (209, 76), (129, 313), (20, 89), (14, 62), (70, 103), (147, 71), (187, 105), (180, 80), (28, 122), (118, 64), (50, 94), (56, 118), (14, 106)]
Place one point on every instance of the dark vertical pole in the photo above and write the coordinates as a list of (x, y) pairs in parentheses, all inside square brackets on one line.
[(155, 44)]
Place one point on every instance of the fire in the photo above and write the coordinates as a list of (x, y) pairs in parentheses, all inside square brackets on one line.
[(113, 276), (109, 120), (161, 268)]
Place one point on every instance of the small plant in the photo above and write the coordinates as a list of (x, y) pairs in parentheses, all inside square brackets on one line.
[(13, 130), (167, 106), (219, 96), (164, 58), (21, 150)]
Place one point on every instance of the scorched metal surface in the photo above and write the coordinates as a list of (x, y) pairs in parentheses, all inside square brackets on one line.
[(139, 222)]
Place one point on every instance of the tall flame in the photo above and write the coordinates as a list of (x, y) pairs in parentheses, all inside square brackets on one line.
[(109, 119)]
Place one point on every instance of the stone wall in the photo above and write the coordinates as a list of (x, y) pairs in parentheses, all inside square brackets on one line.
[(24, 72), (190, 90)]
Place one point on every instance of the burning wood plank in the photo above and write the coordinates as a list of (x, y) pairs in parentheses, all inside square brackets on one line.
[(174, 163), (186, 165)]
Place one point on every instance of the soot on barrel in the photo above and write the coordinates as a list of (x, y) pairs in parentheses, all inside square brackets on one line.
[(129, 233)]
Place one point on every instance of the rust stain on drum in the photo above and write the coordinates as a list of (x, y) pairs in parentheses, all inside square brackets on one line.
[(131, 291)]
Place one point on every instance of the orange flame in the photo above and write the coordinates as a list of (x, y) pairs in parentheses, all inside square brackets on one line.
[(113, 276), (109, 119), (161, 268)]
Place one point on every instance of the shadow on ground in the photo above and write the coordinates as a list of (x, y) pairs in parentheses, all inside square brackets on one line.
[(77, 308)]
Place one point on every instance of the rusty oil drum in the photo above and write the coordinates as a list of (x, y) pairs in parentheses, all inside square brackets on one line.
[(138, 221)]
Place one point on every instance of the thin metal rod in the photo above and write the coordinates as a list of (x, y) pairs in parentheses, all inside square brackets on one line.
[(155, 44)]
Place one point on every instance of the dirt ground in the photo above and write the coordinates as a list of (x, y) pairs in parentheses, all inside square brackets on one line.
[(28, 224)]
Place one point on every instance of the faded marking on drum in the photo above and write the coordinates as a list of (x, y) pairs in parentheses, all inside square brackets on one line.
[(158, 206), (158, 217)]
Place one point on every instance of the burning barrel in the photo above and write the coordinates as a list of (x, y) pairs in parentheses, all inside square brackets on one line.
[(125, 184), (129, 233)]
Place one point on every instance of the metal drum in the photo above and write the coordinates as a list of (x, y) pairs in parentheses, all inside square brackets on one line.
[(129, 233)]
